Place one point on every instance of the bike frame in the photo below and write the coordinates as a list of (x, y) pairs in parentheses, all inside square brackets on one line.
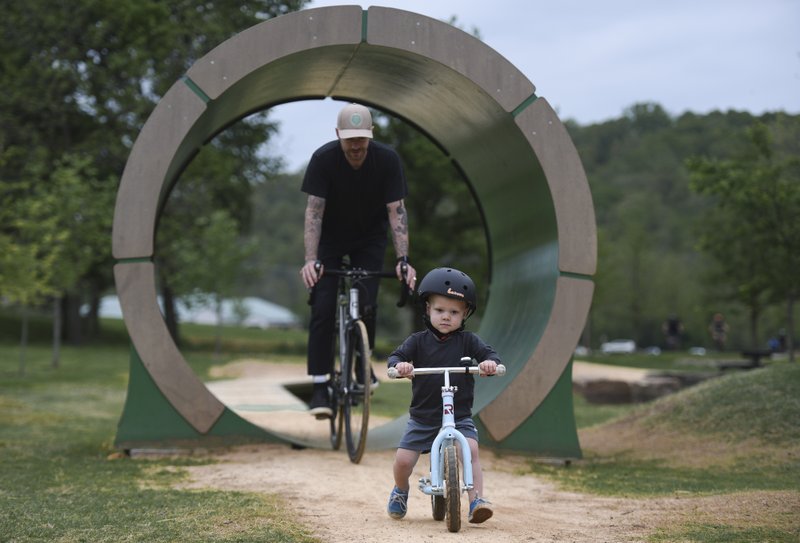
[(353, 342), (348, 306), (448, 435), (348, 312)]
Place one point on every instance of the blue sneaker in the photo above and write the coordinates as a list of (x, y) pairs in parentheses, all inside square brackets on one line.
[(398, 503), (480, 510)]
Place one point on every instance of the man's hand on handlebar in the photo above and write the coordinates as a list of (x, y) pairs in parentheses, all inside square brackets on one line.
[(311, 272), (406, 272)]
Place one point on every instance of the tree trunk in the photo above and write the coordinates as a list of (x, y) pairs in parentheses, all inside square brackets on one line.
[(754, 313), (23, 340), (71, 311), (93, 317), (790, 325), (170, 313), (218, 339), (57, 325)]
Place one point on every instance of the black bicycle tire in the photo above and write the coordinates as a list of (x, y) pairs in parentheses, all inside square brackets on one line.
[(337, 414), (452, 489), (438, 507), (355, 433)]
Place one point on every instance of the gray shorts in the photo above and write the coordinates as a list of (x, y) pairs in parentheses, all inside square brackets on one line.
[(419, 436)]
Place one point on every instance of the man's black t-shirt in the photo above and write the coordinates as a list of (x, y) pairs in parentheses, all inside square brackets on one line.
[(355, 200)]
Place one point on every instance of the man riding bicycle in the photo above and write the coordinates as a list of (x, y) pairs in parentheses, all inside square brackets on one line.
[(355, 190)]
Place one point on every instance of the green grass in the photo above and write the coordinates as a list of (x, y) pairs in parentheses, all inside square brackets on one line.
[(761, 404), (589, 414), (391, 399), (717, 533), (761, 407), (59, 485), (752, 417)]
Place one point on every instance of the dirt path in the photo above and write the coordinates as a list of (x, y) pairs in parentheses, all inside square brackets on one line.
[(343, 502)]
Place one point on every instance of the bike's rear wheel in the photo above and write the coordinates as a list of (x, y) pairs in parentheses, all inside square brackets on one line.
[(452, 489), (357, 380)]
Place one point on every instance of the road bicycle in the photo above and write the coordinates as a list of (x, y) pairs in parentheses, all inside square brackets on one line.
[(351, 380), (442, 484)]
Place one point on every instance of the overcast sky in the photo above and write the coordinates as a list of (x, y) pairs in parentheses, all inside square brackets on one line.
[(592, 60)]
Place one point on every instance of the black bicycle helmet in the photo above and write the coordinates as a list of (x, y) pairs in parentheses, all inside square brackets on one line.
[(449, 282)]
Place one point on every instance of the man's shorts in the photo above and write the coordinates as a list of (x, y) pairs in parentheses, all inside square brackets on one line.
[(419, 436)]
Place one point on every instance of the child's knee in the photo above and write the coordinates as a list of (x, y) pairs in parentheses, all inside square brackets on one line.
[(473, 449), (405, 459)]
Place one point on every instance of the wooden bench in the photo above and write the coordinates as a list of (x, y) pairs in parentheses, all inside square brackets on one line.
[(752, 360)]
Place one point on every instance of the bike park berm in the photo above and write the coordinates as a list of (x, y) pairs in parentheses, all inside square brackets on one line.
[(512, 150)]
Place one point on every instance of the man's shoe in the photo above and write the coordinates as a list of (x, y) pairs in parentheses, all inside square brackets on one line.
[(398, 504), (373, 382), (480, 510), (320, 405)]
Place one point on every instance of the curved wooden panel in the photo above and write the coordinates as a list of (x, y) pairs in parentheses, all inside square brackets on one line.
[(272, 40), (152, 161), (172, 375), (577, 235), (530, 386)]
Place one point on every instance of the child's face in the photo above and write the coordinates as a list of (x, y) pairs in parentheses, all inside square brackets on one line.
[(446, 314)]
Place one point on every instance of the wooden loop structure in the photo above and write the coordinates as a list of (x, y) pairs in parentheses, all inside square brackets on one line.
[(512, 149)]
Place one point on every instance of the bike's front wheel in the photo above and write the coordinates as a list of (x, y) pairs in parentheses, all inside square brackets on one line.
[(357, 380), (337, 417), (438, 507), (452, 489)]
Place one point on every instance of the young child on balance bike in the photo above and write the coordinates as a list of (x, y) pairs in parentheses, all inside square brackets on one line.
[(450, 298)]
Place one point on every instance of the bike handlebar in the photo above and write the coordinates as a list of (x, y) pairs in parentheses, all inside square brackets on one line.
[(359, 273), (394, 374)]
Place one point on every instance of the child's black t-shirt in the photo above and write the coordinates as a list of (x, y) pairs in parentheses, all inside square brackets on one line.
[(425, 350)]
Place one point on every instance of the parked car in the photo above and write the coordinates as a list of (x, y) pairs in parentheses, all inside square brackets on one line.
[(618, 346)]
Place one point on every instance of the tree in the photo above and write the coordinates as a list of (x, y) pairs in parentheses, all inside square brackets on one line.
[(753, 233), (214, 267), (88, 93), (29, 238)]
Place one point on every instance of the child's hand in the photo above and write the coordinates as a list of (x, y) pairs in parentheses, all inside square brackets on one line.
[(488, 367), (405, 369)]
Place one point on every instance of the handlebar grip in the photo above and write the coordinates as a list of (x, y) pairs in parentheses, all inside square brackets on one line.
[(312, 290), (393, 373), (404, 290)]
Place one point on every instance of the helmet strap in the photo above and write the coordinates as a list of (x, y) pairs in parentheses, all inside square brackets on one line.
[(429, 325)]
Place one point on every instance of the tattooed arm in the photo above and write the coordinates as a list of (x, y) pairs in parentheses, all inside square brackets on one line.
[(312, 232), (398, 222)]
